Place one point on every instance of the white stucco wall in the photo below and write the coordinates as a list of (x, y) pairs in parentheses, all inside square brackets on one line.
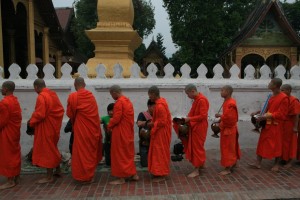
[(249, 94)]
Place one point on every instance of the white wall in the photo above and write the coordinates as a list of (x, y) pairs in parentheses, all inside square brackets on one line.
[(250, 96)]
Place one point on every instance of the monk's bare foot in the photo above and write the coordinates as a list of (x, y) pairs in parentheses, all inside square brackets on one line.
[(225, 172), (158, 179), (119, 181), (86, 182), (135, 178), (45, 180), (288, 165), (254, 165), (194, 173), (275, 168), (7, 185)]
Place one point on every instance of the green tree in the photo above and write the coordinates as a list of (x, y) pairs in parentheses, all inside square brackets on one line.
[(87, 18), (202, 29), (160, 43), (292, 12)]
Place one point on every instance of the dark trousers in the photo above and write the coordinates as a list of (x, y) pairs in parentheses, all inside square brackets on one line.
[(107, 153), (144, 155)]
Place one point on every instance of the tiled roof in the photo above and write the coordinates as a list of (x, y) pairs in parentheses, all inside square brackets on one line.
[(255, 19), (64, 16)]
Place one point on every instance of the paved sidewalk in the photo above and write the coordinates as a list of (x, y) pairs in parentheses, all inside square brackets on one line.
[(244, 183)]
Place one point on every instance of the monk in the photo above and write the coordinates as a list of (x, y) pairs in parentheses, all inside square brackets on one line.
[(290, 126), (160, 137), (10, 124), (122, 138), (270, 140), (229, 145), (46, 121), (83, 112), (197, 121)]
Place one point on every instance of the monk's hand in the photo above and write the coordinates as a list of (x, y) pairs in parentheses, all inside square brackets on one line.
[(186, 120), (268, 116), (218, 115)]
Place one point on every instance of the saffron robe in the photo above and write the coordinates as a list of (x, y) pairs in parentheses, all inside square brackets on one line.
[(270, 140), (289, 137), (122, 139), (198, 124), (82, 109), (10, 124), (159, 149), (229, 145), (46, 121)]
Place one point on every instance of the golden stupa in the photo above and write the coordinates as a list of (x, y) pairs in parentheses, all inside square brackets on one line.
[(114, 38)]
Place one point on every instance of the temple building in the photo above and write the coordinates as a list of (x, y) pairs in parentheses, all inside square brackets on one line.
[(31, 33), (266, 38), (153, 55)]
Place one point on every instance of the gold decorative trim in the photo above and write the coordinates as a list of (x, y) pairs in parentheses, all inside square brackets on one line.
[(264, 52)]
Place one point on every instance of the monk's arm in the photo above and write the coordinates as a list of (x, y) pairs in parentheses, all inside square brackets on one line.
[(39, 113), (4, 115), (118, 112), (161, 118), (282, 111), (69, 109), (229, 116), (201, 111)]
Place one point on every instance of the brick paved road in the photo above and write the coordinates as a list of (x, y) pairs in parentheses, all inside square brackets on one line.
[(244, 183)]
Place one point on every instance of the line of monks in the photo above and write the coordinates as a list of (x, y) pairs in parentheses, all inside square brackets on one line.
[(278, 138)]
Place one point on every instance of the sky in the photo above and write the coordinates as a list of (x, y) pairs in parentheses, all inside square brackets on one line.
[(162, 23)]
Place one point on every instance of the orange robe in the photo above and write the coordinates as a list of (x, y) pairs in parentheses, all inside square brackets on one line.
[(229, 145), (198, 114), (289, 139), (122, 139), (10, 124), (83, 112), (159, 149), (270, 140), (46, 121)]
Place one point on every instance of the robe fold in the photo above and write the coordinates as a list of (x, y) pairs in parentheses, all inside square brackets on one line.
[(198, 124), (122, 139), (10, 124), (82, 109), (159, 149), (270, 140), (289, 137), (46, 121), (229, 145)]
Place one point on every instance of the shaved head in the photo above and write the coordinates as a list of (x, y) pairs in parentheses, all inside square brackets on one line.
[(154, 90), (115, 89), (277, 82), (9, 86), (190, 87), (286, 87), (79, 82), (39, 83), (228, 88)]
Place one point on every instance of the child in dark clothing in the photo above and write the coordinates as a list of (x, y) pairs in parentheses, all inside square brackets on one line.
[(105, 121)]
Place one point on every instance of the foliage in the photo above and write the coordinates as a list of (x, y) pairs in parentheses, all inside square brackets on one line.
[(86, 18), (292, 12), (160, 43), (202, 29)]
